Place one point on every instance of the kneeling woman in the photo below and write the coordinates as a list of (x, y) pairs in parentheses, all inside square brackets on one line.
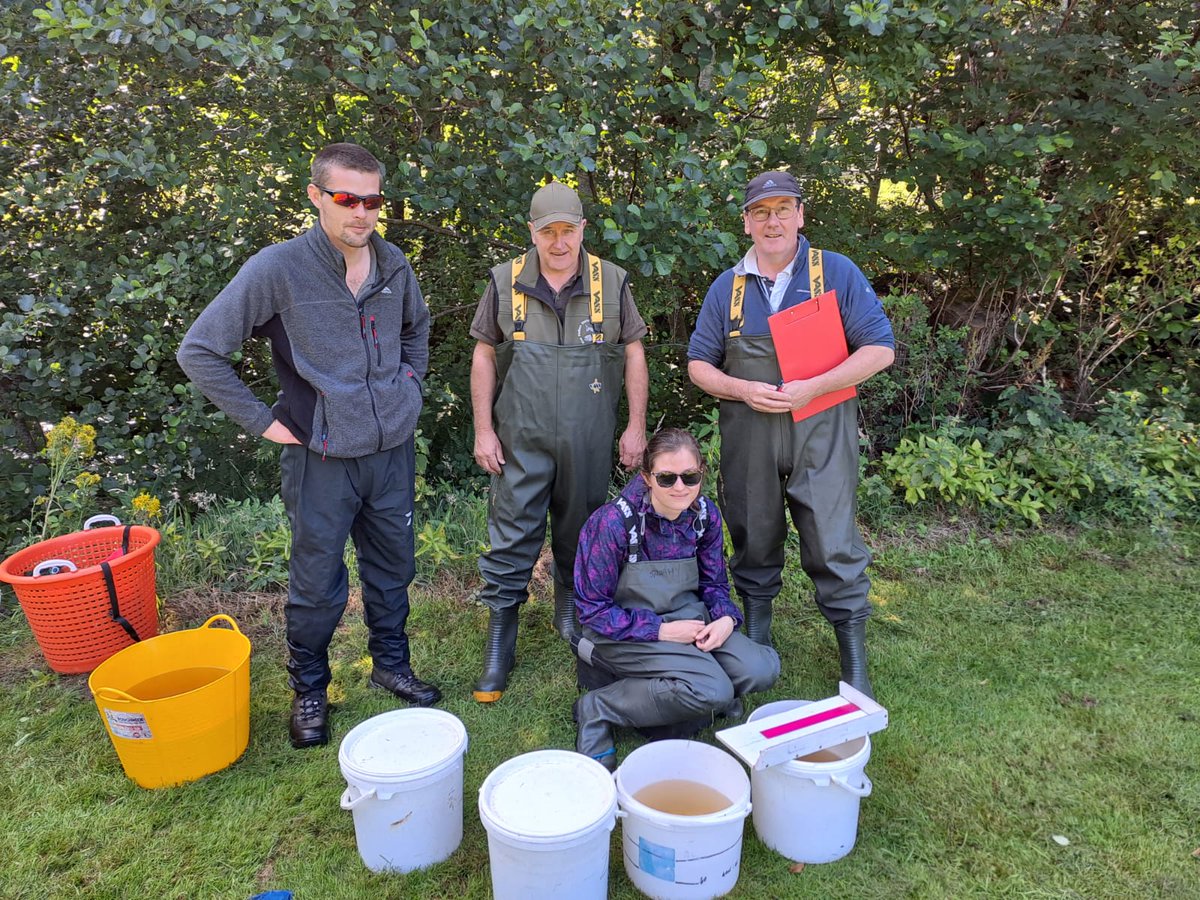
[(653, 599)]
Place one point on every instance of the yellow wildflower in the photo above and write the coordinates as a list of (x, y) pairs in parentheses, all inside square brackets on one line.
[(86, 480), (69, 440), (147, 505)]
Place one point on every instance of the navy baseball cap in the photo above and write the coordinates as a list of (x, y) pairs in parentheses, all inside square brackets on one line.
[(771, 184)]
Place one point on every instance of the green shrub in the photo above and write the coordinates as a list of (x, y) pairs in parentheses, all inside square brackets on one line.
[(232, 545), (155, 147), (1136, 461), (929, 381), (1152, 468)]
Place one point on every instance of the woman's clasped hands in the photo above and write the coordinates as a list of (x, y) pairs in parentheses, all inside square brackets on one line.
[(693, 631)]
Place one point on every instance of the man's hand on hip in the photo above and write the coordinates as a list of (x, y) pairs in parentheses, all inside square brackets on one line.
[(278, 433)]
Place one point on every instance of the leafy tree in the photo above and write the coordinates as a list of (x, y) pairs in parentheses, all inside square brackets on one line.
[(1021, 172)]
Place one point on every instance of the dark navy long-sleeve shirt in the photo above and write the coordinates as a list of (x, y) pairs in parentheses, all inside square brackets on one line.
[(604, 549)]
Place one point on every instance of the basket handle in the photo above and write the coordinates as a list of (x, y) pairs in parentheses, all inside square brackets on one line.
[(113, 695), (224, 618), (102, 518), (53, 567)]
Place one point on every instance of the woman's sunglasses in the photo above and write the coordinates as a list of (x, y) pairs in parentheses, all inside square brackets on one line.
[(667, 479), (349, 200)]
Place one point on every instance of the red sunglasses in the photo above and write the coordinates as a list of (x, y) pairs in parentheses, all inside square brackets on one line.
[(349, 200)]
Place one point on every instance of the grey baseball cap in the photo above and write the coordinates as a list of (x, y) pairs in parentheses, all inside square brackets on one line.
[(555, 202), (771, 184)]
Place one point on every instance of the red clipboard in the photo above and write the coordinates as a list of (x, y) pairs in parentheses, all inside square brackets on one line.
[(810, 340)]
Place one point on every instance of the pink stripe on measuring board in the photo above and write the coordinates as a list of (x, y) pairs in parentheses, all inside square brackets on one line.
[(815, 719)]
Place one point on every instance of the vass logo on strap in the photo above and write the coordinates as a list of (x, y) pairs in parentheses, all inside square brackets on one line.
[(596, 298)]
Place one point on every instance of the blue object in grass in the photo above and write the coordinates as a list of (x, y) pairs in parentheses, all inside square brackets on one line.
[(273, 895)]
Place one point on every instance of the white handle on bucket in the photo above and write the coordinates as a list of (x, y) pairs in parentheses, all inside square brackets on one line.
[(617, 814), (863, 791), (222, 618), (349, 803), (103, 518), (54, 567)]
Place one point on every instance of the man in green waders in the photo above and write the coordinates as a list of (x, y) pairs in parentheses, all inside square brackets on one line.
[(557, 332), (769, 462)]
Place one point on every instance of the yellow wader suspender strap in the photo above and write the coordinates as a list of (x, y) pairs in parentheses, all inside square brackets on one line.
[(595, 298), (816, 273), (518, 300), (816, 287), (736, 316)]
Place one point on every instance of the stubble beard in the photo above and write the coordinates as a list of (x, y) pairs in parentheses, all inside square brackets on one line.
[(354, 239)]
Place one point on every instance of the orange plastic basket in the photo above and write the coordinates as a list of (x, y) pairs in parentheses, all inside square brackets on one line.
[(76, 622)]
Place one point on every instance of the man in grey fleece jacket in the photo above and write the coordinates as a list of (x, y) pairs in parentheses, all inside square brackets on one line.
[(349, 335)]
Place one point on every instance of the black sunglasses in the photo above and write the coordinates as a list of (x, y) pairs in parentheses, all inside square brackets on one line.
[(349, 200), (667, 479)]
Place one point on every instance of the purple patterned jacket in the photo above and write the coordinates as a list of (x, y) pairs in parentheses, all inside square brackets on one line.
[(604, 547)]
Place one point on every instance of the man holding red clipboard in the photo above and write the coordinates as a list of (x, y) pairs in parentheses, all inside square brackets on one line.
[(785, 444)]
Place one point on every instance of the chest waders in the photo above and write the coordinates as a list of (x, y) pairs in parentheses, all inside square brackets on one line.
[(663, 683), (769, 463), (555, 413)]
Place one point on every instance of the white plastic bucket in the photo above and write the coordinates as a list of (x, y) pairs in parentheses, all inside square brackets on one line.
[(686, 857), (404, 776), (808, 811), (548, 816)]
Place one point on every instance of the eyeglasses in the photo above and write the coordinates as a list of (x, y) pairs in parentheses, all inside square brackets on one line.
[(782, 213), (349, 200), (667, 479)]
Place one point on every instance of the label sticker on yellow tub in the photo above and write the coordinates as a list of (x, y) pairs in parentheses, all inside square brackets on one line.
[(131, 726)]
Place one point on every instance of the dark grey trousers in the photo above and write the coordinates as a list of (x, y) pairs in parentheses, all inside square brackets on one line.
[(369, 499)]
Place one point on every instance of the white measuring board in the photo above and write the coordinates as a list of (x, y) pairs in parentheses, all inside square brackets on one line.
[(806, 729)]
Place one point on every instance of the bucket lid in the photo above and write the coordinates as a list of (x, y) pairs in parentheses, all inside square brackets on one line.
[(783, 736), (547, 796), (402, 745)]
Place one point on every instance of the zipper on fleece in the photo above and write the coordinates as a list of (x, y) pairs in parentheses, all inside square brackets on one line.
[(361, 304), (324, 427)]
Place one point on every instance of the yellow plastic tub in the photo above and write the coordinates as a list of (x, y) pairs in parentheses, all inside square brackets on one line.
[(177, 706)]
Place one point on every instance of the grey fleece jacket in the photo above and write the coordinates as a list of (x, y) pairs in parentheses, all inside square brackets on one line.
[(349, 370)]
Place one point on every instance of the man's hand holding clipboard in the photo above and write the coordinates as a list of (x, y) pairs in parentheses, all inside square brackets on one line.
[(810, 341)]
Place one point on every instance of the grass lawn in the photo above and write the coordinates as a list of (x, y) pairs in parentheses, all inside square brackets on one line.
[(1043, 691)]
